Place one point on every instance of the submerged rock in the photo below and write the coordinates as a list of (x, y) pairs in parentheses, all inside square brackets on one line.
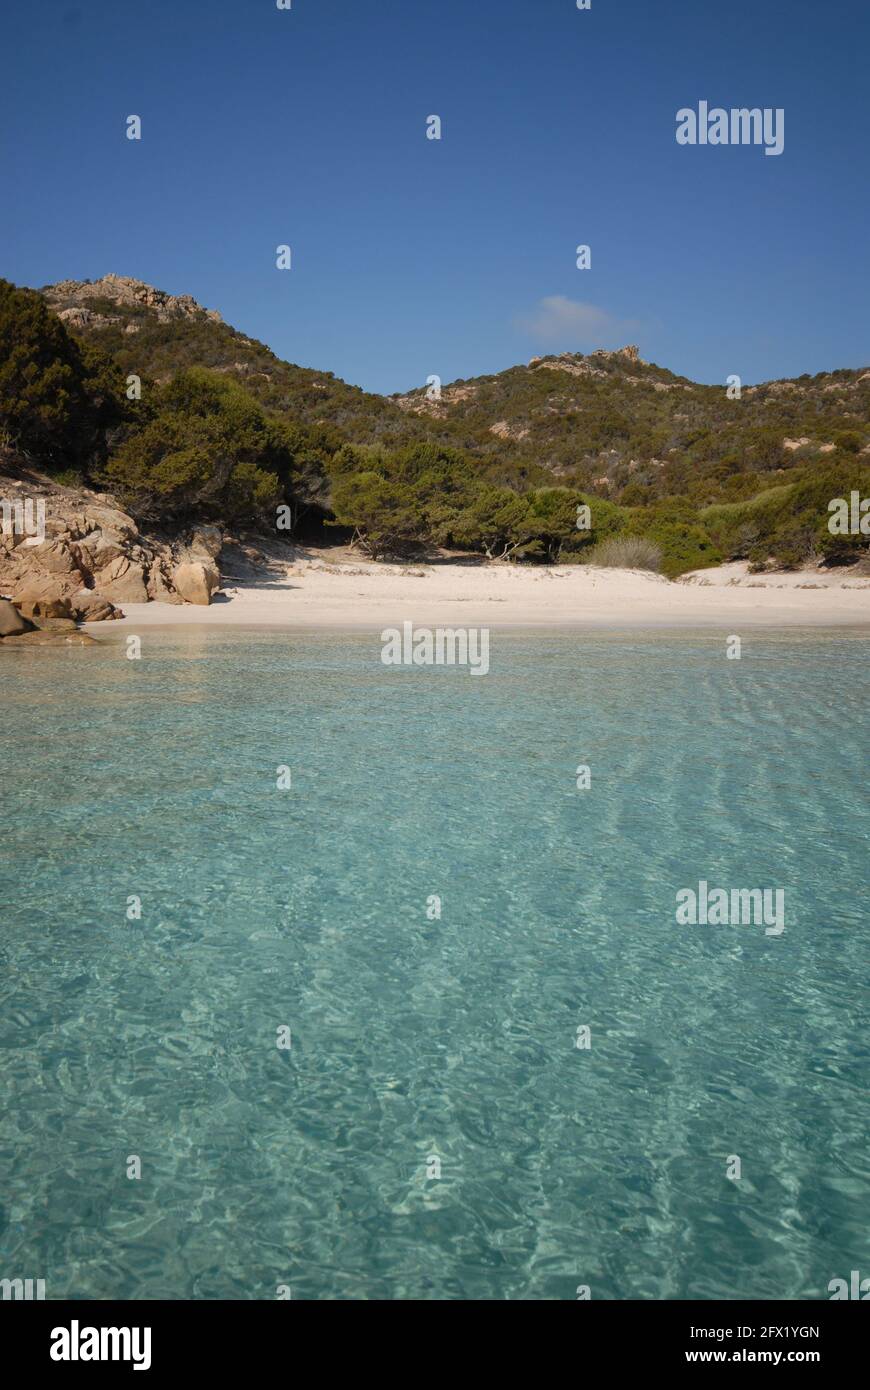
[(56, 625), (42, 638)]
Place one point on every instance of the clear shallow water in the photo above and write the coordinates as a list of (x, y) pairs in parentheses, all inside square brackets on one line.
[(414, 1037)]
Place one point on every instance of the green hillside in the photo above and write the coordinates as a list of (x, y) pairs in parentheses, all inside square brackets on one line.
[(674, 474)]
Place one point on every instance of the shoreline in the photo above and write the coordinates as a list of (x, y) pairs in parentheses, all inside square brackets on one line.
[(359, 597)]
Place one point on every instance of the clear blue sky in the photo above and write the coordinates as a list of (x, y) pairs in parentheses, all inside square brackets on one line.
[(413, 257)]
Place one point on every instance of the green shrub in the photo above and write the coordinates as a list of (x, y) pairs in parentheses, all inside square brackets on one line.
[(848, 441), (684, 546), (627, 553)]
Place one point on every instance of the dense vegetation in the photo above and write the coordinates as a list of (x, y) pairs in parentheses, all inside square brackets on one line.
[(563, 460), (60, 399), (204, 447)]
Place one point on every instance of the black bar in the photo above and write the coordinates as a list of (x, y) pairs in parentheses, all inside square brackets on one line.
[(224, 1337)]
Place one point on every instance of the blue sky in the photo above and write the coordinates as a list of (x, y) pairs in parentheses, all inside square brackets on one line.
[(414, 257)]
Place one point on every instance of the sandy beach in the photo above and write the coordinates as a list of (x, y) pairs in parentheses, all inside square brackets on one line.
[(321, 593)]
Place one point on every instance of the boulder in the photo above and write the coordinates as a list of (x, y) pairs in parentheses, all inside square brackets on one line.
[(32, 585), (106, 549), (124, 580), (196, 581), (206, 541), (56, 625), (108, 519), (33, 606), (160, 588), (11, 621), (91, 607), (53, 556)]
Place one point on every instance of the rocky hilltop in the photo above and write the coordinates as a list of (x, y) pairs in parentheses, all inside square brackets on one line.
[(86, 304), (594, 364), (155, 334)]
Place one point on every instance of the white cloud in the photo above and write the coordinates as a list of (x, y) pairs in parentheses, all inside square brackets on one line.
[(571, 325)]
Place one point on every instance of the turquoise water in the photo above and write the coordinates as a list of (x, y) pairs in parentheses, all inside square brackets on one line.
[(415, 1038)]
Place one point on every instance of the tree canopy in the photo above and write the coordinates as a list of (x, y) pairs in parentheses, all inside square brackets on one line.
[(59, 399)]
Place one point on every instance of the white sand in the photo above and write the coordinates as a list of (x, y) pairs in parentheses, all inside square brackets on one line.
[(314, 594)]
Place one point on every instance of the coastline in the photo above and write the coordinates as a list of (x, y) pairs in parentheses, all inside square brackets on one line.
[(315, 595)]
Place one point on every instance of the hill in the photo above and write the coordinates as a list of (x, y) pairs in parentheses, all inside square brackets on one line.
[(567, 455), (612, 422), (606, 421), (155, 335)]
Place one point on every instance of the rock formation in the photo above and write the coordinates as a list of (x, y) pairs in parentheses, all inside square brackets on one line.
[(17, 630), (70, 300), (90, 557)]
